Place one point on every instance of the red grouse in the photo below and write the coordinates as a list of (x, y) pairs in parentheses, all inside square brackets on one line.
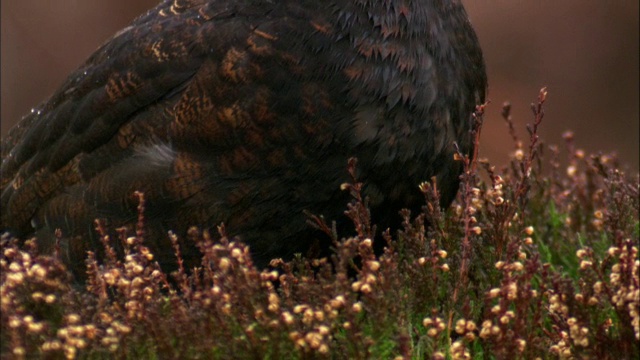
[(245, 112)]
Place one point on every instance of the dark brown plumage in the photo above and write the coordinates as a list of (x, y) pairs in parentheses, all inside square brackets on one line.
[(245, 112)]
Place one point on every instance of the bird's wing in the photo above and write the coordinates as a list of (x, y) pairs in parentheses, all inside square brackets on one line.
[(121, 120)]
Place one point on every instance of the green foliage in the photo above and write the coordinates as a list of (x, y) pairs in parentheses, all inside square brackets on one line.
[(525, 264)]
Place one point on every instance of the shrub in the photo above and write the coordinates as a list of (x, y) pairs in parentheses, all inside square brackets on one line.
[(528, 263)]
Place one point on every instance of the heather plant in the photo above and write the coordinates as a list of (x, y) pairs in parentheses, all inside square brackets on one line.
[(537, 259)]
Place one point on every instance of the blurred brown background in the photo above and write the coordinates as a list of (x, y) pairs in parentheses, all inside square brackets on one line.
[(585, 51)]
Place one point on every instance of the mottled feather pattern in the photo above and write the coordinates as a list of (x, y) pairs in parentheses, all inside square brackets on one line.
[(245, 112)]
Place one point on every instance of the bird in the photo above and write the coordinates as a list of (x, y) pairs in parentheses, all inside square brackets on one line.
[(245, 113)]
